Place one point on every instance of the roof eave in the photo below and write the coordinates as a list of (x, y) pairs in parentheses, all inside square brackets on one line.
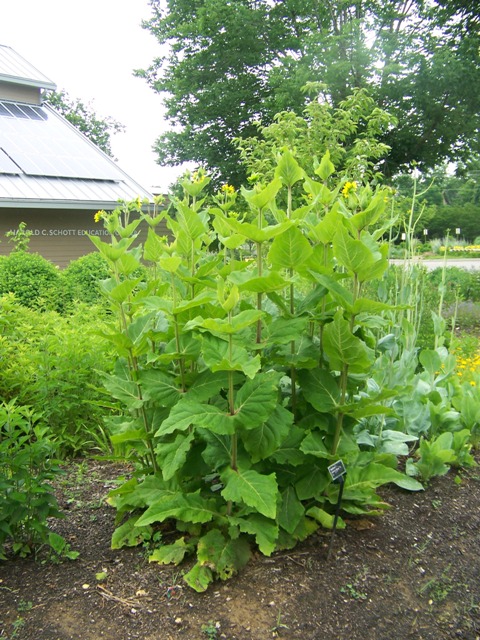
[(40, 84), (19, 203)]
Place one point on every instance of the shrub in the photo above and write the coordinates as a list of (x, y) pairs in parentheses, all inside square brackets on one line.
[(459, 282), (26, 467), (53, 362), (35, 281), (81, 278)]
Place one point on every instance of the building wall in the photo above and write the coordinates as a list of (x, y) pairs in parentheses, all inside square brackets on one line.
[(58, 235), (19, 93)]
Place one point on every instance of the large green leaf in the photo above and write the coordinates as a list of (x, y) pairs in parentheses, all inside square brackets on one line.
[(218, 356), (203, 298), (154, 247), (326, 167), (191, 222), (130, 534), (270, 281), (251, 488), (263, 198), (284, 330), (340, 294), (126, 430), (123, 291), (361, 479), (314, 445), (288, 169), (264, 530), (138, 331), (171, 456), (224, 232), (223, 555), (159, 386), (226, 326), (325, 230), (324, 518), (132, 494), (188, 507), (255, 233), (205, 386), (320, 389), (265, 440), (312, 480), (351, 253), (126, 391), (431, 361), (289, 453), (188, 413), (199, 577), (364, 257), (170, 264), (344, 348), (371, 213), (171, 553), (289, 249), (217, 453), (291, 511), (112, 252), (256, 400)]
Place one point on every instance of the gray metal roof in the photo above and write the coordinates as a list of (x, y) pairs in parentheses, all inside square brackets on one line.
[(45, 162), (14, 68)]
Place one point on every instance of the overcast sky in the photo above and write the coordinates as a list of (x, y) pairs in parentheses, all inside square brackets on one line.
[(90, 49)]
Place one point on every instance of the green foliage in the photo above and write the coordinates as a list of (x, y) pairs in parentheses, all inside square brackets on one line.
[(241, 381), (35, 281), (82, 277), (83, 118), (263, 56), (27, 465), (437, 455), (20, 237), (348, 136), (52, 361)]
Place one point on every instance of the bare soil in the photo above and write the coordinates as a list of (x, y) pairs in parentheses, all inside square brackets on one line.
[(412, 573)]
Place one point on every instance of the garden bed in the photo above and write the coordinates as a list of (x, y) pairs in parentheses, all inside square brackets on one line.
[(412, 573)]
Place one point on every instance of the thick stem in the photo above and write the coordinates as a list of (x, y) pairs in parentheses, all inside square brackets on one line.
[(231, 402), (259, 295), (293, 371), (340, 416)]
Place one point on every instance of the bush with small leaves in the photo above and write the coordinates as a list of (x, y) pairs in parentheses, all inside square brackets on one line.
[(82, 276), (35, 282), (26, 468)]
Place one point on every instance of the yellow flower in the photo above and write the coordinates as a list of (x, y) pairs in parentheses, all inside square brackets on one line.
[(348, 186), (198, 176), (99, 215), (473, 383), (228, 189)]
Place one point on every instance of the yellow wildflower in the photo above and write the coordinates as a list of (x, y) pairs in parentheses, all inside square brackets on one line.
[(348, 187), (99, 215), (228, 189)]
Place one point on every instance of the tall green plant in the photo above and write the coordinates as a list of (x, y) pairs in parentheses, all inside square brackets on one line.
[(27, 465), (243, 380)]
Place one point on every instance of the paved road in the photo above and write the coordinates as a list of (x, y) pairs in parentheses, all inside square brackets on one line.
[(472, 264)]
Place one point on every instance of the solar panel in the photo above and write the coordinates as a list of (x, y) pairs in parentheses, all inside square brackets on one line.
[(43, 144), (6, 165)]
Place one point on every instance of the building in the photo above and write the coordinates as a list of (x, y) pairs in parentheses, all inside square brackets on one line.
[(51, 176)]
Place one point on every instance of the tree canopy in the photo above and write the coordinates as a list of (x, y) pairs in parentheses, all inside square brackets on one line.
[(229, 64), (98, 130)]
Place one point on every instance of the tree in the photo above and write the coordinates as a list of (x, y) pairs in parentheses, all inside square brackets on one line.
[(231, 64), (82, 116)]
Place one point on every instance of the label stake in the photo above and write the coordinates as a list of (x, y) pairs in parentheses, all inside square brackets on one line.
[(337, 472)]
